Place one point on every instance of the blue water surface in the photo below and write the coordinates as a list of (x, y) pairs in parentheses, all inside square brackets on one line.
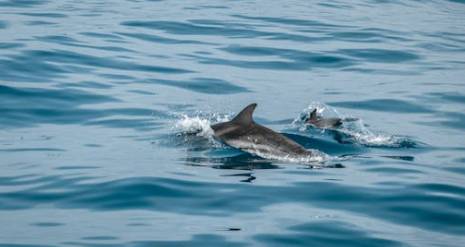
[(98, 101)]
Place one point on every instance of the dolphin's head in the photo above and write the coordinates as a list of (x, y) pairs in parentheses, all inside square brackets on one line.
[(320, 122), (312, 117)]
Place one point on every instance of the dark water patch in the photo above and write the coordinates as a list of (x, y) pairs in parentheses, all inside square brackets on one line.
[(64, 40), (40, 23), (461, 160), (30, 69), (118, 77), (453, 120), (293, 22), (458, 170), (259, 51), (9, 150), (24, 245), (383, 71), (394, 170), (207, 240), (87, 84), (138, 224), (400, 157), (249, 177), (5, 45), (325, 233), (233, 229), (27, 106), (92, 145), (301, 58), (448, 35), (369, 35), (47, 224), (385, 105), (296, 37), (101, 35), (217, 28), (411, 205), (455, 97), (43, 58), (186, 28), (312, 61), (103, 238), (25, 179), (21, 3), (203, 85), (380, 55), (160, 39), (442, 47), (336, 5), (441, 188), (213, 7), (47, 15), (141, 92), (60, 39), (143, 124), (3, 24), (17, 98), (76, 167)]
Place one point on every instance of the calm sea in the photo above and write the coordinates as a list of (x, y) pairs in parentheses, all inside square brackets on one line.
[(100, 102)]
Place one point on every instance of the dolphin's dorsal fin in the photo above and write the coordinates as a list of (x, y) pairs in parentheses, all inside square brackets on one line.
[(313, 115), (245, 117)]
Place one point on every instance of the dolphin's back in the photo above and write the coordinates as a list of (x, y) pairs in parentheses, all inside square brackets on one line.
[(243, 133), (264, 140)]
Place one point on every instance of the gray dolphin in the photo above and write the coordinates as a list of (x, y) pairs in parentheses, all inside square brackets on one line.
[(243, 133), (323, 123)]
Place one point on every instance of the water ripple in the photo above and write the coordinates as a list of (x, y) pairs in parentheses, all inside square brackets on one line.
[(163, 194), (203, 85), (21, 3), (3, 24), (92, 94), (188, 28), (387, 105), (380, 55), (325, 233)]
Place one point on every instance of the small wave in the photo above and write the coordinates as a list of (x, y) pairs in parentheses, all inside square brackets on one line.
[(353, 130)]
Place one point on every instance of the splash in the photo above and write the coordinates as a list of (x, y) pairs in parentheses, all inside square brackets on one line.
[(353, 130), (194, 125), (199, 124)]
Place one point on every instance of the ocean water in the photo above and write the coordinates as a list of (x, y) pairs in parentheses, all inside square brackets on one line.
[(105, 109)]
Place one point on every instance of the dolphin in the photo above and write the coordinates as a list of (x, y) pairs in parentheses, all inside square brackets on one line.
[(323, 123), (243, 133)]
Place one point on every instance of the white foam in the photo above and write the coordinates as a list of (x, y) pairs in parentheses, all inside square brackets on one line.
[(199, 124), (355, 129), (194, 125)]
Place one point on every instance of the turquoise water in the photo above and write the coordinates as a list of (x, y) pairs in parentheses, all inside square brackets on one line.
[(99, 100)]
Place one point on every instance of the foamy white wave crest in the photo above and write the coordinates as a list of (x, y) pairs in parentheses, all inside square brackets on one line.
[(199, 125), (194, 125)]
